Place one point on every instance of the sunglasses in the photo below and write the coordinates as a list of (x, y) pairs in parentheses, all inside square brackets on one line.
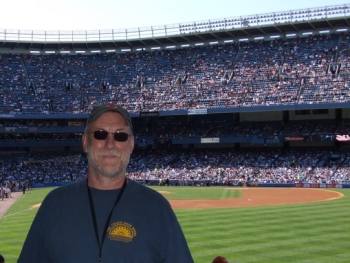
[(118, 136)]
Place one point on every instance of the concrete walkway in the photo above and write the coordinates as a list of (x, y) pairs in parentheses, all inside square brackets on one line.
[(7, 202)]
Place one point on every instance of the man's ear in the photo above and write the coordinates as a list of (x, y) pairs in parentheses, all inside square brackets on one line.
[(84, 142), (132, 142)]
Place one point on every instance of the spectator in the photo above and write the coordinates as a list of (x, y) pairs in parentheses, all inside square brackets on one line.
[(220, 259), (105, 209)]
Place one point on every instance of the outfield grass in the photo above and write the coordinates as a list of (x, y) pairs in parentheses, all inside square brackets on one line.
[(315, 232)]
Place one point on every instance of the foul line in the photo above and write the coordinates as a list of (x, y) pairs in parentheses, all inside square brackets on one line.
[(17, 212)]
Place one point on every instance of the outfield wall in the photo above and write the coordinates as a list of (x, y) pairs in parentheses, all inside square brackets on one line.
[(210, 183), (321, 185), (302, 185)]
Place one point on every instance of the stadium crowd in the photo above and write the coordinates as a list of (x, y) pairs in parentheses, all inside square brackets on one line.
[(308, 70), (189, 167)]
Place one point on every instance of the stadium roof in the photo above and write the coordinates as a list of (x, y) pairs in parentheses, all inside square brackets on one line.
[(266, 26)]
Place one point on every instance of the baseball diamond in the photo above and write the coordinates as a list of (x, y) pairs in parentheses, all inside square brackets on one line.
[(257, 219)]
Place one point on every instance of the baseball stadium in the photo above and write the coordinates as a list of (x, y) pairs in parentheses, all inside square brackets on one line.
[(241, 123)]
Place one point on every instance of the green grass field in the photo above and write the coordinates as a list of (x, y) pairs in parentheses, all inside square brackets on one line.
[(315, 232)]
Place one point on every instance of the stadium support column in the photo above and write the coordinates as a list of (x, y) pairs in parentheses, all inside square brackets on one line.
[(338, 115), (285, 145), (68, 85), (51, 106)]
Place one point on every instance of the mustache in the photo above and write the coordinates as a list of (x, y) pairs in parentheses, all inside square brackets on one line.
[(115, 154)]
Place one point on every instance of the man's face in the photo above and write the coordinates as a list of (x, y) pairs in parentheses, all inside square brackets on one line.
[(108, 158)]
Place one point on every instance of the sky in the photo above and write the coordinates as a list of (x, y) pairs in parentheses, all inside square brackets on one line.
[(77, 15)]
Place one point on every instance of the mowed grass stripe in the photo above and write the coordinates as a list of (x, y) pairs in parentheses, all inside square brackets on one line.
[(259, 244), (250, 232), (224, 193), (219, 220), (298, 225), (263, 231), (268, 250), (205, 193), (316, 232)]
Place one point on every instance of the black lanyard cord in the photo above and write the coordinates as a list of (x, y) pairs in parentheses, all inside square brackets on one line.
[(93, 214)]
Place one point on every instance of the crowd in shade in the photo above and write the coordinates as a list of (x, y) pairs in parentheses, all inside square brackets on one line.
[(190, 167), (171, 127), (308, 70)]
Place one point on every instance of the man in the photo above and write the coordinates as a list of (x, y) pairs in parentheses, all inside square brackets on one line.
[(2, 260), (23, 187), (107, 217), (2, 192)]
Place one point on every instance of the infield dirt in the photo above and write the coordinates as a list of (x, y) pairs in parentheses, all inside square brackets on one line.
[(262, 197), (7, 202)]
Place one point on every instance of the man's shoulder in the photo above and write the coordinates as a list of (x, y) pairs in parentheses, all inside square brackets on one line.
[(139, 187), (73, 185), (74, 188)]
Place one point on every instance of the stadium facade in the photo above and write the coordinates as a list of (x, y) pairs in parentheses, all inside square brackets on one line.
[(269, 80)]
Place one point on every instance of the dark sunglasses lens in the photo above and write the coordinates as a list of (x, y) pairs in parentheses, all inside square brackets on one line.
[(100, 135), (121, 136)]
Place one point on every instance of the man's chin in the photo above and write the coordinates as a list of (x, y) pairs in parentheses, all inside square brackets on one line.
[(108, 172), (109, 177), (111, 174)]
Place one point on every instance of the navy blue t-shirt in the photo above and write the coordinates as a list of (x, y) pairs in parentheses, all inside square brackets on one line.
[(143, 228)]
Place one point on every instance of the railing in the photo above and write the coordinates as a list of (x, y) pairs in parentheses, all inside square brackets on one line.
[(290, 16)]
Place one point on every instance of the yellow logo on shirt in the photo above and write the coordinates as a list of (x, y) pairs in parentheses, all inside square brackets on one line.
[(121, 231)]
